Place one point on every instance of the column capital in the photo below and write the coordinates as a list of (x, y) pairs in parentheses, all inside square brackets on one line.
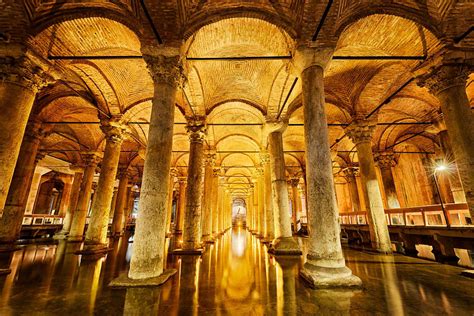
[(174, 172), (361, 130), (210, 157), (351, 172), (294, 181), (305, 57), (166, 69), (24, 71), (39, 156), (272, 125), (258, 172), (182, 180), (90, 159), (123, 171), (197, 129), (76, 168), (113, 129), (216, 171), (448, 75), (385, 160), (35, 130), (264, 158)]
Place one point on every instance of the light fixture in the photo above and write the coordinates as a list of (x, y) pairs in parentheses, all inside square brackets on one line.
[(441, 168)]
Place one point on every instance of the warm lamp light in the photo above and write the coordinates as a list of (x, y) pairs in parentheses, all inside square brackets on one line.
[(441, 168)]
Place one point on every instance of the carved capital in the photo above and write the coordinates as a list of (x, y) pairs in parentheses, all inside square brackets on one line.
[(35, 130), (174, 172), (259, 172), (123, 172), (39, 156), (182, 180), (90, 159), (210, 157), (166, 69), (196, 129), (113, 129), (216, 171), (361, 130), (24, 72), (294, 182), (444, 77), (264, 158), (305, 57), (385, 160), (350, 173)]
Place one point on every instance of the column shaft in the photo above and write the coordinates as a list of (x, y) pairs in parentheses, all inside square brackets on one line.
[(75, 190), (80, 214), (12, 218), (96, 235), (268, 201), (118, 223), (148, 252), (181, 206), (325, 266), (207, 202)]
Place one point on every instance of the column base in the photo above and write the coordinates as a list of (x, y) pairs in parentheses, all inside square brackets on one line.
[(94, 250), (323, 278), (188, 252), (123, 281), (285, 246)]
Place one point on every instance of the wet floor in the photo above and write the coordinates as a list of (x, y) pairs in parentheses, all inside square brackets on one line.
[(236, 276)]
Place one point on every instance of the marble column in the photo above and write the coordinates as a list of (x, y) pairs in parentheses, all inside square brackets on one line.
[(295, 202), (96, 234), (385, 162), (20, 79), (148, 253), (192, 216), (325, 266), (284, 243), (453, 172), (178, 229), (80, 213), (12, 218), (448, 83), (360, 132), (75, 191), (118, 223), (214, 200), (173, 175), (268, 197), (350, 174), (207, 197), (265, 223), (250, 208)]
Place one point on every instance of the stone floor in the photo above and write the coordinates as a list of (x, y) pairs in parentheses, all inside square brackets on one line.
[(235, 276)]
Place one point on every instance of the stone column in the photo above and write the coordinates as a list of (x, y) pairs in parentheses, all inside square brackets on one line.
[(268, 197), (325, 266), (20, 79), (295, 201), (148, 253), (80, 214), (453, 174), (178, 229), (207, 198), (12, 218), (360, 132), (118, 223), (448, 83), (192, 217), (283, 244), (96, 235), (75, 190), (173, 174), (214, 200), (265, 223), (250, 208), (386, 162), (350, 174)]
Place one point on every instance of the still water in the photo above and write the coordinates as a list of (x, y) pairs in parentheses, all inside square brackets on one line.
[(235, 276)]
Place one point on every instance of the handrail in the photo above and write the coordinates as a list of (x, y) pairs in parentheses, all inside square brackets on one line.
[(454, 215)]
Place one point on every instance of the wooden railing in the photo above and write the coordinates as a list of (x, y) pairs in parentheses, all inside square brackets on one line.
[(42, 220), (448, 215)]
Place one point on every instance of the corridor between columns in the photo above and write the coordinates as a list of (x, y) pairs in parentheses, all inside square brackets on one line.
[(236, 275)]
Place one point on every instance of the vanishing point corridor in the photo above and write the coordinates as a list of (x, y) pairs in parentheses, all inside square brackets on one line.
[(235, 276)]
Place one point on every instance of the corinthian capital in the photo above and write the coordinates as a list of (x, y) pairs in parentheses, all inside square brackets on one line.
[(166, 69), (264, 158), (35, 130), (24, 72), (385, 160), (113, 129), (444, 77), (305, 57), (197, 130), (361, 130)]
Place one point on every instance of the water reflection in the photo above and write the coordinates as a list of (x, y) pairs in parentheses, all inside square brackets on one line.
[(235, 275)]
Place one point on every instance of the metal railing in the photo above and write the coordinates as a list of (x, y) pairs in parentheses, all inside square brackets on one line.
[(452, 215), (42, 220)]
